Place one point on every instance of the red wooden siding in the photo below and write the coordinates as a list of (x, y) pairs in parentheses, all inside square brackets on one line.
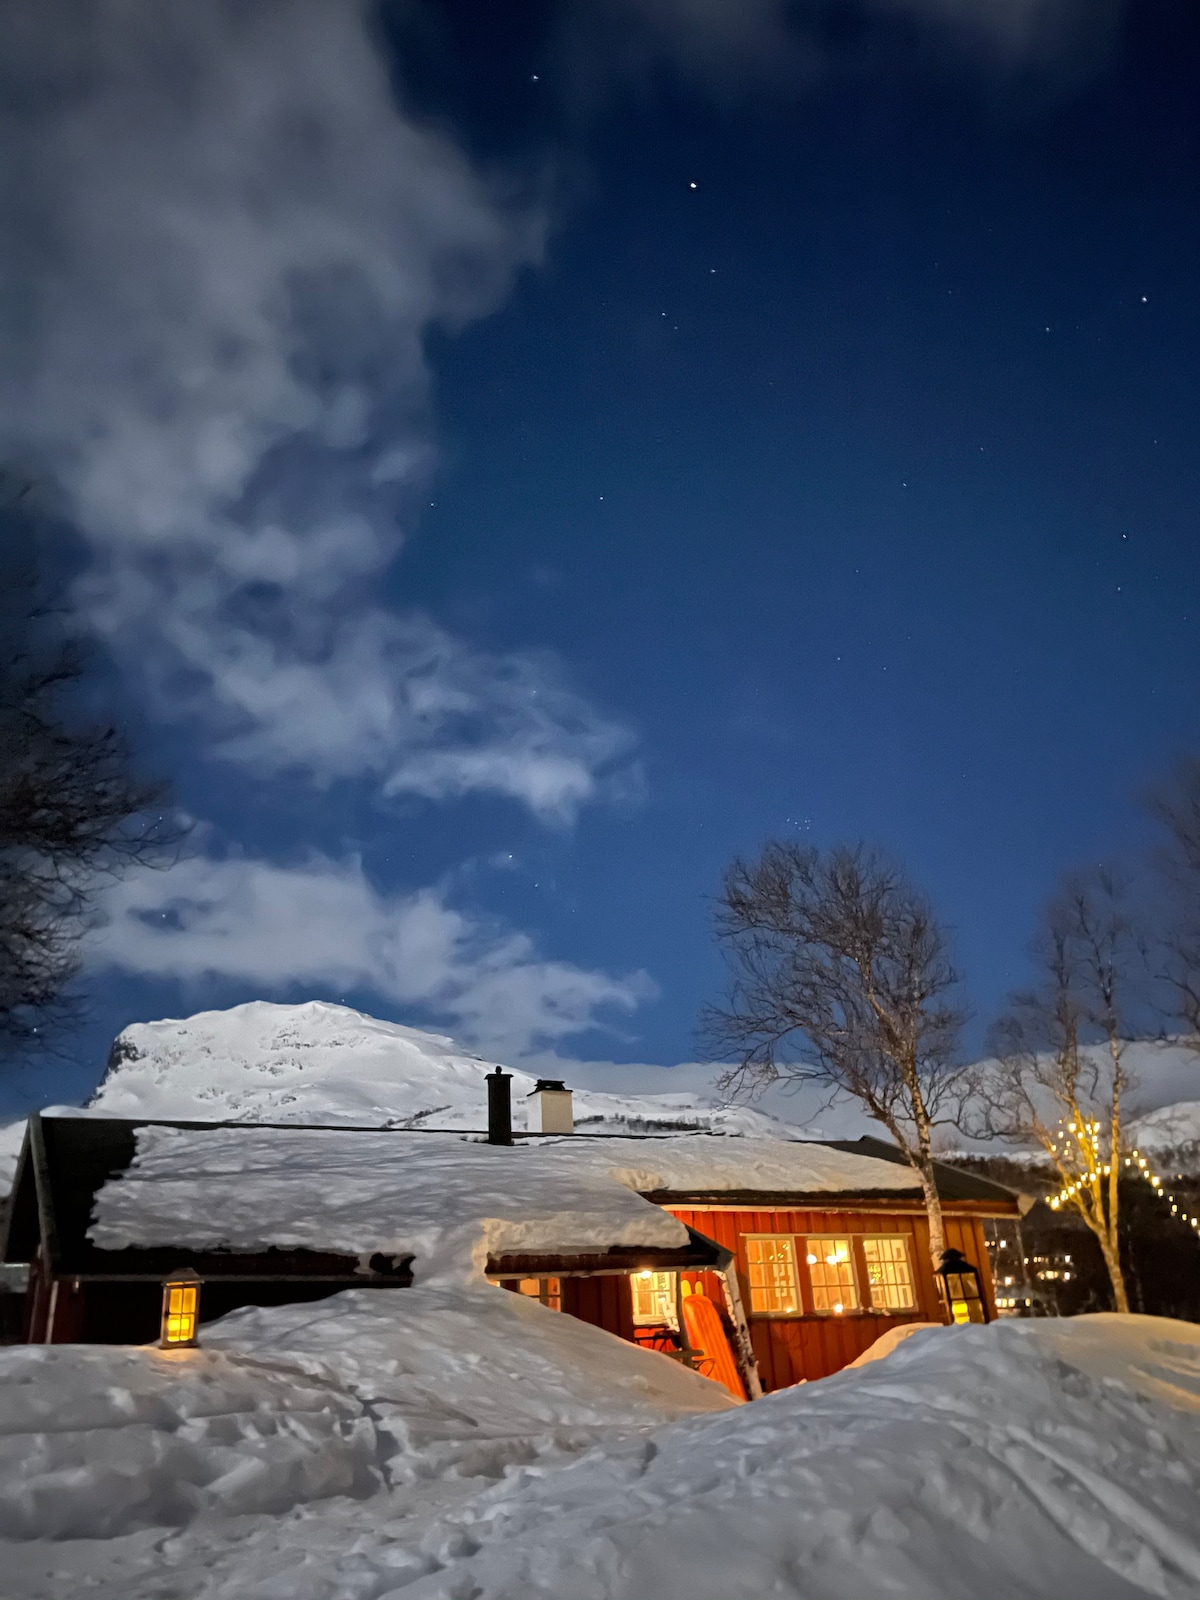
[(791, 1348), (605, 1301)]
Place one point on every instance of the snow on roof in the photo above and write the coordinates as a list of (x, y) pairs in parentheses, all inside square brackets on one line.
[(441, 1197), (707, 1165)]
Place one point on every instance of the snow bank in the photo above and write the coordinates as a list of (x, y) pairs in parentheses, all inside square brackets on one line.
[(297, 1434), (448, 1199), (1033, 1460), (97, 1442), (469, 1381), (1039, 1461)]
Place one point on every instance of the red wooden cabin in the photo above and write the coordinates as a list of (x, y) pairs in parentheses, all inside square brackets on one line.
[(807, 1315), (805, 1251)]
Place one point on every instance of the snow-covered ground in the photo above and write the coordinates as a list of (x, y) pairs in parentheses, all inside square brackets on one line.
[(472, 1445)]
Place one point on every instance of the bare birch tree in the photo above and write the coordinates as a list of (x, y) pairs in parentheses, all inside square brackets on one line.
[(1059, 1078), (841, 978)]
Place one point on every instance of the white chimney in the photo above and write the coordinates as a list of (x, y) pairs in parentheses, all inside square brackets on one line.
[(551, 1110)]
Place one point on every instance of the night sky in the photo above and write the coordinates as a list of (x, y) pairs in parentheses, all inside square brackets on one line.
[(803, 444)]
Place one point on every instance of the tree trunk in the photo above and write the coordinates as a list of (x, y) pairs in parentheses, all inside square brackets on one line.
[(1111, 1250), (933, 1210)]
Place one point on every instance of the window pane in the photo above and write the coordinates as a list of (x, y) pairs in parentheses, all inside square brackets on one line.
[(831, 1273), (654, 1298), (889, 1273), (772, 1272), (547, 1290)]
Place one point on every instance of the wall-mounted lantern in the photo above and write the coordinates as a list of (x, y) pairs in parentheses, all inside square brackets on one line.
[(180, 1310), (960, 1289)]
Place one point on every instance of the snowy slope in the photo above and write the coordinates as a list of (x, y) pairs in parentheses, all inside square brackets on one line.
[(326, 1063), (1170, 1131), (428, 1445), (303, 1404)]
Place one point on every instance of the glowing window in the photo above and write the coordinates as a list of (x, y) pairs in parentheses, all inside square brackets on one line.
[(180, 1310), (772, 1270), (654, 1298), (889, 1273), (547, 1290), (831, 1273)]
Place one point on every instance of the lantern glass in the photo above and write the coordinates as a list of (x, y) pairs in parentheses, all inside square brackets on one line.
[(180, 1310), (958, 1285)]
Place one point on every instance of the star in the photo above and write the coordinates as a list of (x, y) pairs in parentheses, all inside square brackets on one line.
[(691, 185)]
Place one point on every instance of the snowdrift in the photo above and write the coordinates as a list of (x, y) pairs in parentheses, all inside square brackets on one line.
[(432, 1443)]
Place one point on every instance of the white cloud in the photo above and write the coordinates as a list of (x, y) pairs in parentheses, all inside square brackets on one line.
[(784, 45), (1021, 33), (323, 923), (226, 245)]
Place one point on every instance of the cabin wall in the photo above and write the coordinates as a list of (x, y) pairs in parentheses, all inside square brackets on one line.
[(125, 1311), (605, 1301), (807, 1345)]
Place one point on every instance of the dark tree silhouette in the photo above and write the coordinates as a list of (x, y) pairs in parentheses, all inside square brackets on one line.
[(73, 811)]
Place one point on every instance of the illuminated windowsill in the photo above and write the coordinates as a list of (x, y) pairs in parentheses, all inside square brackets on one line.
[(833, 1316)]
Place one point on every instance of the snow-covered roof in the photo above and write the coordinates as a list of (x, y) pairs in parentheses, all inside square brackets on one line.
[(441, 1197)]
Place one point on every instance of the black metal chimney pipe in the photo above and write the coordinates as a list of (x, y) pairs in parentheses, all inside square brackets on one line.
[(499, 1107)]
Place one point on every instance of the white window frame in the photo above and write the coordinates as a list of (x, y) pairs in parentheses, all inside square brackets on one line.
[(788, 1240), (654, 1299), (891, 1239), (811, 1260)]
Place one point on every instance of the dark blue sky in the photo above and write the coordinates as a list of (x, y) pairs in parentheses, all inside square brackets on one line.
[(842, 448)]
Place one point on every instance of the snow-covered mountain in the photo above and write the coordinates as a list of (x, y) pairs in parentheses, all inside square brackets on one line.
[(321, 1063), (1170, 1132)]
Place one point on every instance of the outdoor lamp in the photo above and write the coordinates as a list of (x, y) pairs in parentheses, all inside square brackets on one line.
[(958, 1285), (180, 1309)]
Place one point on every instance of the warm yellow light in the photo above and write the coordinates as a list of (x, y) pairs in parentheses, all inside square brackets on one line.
[(812, 1261), (180, 1311), (960, 1311), (839, 1307), (646, 1273)]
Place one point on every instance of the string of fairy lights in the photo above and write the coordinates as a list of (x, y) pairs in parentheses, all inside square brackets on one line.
[(1086, 1138)]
